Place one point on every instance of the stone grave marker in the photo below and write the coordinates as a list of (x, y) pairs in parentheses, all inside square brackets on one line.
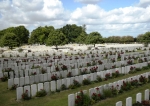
[(129, 101), (33, 90), (22, 82), (53, 86), (47, 87), (146, 94), (139, 97), (10, 83), (40, 86), (19, 93), (27, 89), (71, 100)]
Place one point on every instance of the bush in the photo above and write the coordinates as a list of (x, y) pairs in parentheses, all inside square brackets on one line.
[(14, 87), (145, 68), (4, 78), (137, 104), (107, 93), (41, 93), (20, 50), (99, 79), (63, 87), (86, 82), (82, 99), (25, 95)]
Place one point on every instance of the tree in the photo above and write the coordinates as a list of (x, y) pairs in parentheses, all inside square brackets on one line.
[(94, 38), (40, 34), (81, 38), (10, 39), (71, 32), (56, 38), (22, 34), (146, 38)]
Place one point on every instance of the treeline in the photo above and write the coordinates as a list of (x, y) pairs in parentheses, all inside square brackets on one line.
[(48, 35)]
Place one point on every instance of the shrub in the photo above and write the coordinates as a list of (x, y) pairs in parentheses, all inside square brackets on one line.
[(41, 93), (107, 75), (99, 79), (14, 87), (86, 81), (76, 83), (4, 78), (94, 69), (142, 80), (96, 97), (43, 71), (82, 99), (63, 87), (54, 77), (69, 74), (145, 68), (137, 69), (20, 50), (64, 67), (107, 93), (84, 71), (25, 95)]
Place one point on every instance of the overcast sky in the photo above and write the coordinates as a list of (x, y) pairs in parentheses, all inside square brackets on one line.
[(109, 17)]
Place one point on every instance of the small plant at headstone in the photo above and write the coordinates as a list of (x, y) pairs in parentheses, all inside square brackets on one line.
[(107, 76), (114, 66), (143, 79), (63, 87), (99, 79), (132, 70), (134, 82), (82, 99), (137, 104), (4, 78), (33, 73), (14, 86), (64, 67), (76, 83), (54, 77), (94, 69), (145, 68), (8, 70), (140, 60), (25, 95), (69, 74), (56, 68), (84, 71), (96, 97), (88, 64), (137, 69), (113, 60), (41, 93), (100, 62), (107, 93), (20, 50), (114, 91), (129, 62), (43, 71), (86, 81), (149, 78), (116, 74), (126, 86)]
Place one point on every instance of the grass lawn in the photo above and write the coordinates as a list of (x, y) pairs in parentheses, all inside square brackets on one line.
[(8, 98)]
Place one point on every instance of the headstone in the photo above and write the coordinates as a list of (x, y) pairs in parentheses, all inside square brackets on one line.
[(16, 81), (33, 90), (40, 86), (119, 103), (46, 87), (27, 81), (71, 100), (32, 80), (138, 97), (45, 77), (10, 83), (146, 94), (53, 86), (41, 78), (19, 93), (27, 89), (59, 84), (129, 101), (22, 81)]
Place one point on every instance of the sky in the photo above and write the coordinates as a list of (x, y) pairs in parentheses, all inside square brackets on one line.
[(108, 17)]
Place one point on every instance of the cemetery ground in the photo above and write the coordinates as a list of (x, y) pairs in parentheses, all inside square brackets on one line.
[(8, 97)]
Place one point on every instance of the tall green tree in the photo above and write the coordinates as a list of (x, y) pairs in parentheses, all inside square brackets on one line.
[(10, 39), (72, 32), (81, 39), (94, 38), (56, 38), (146, 38), (40, 34)]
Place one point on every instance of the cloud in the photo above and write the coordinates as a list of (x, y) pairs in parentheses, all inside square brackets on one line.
[(33, 13), (88, 1), (144, 3)]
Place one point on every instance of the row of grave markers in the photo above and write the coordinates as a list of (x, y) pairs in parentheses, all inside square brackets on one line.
[(138, 98), (116, 84)]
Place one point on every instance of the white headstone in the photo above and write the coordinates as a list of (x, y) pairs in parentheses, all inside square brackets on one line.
[(33, 89), (19, 93), (71, 100), (146, 94), (119, 103), (27, 89), (53, 86), (138, 97), (47, 87), (40, 86), (129, 101), (10, 83)]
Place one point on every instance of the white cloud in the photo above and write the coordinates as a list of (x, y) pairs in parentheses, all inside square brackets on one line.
[(34, 13), (144, 3), (88, 1)]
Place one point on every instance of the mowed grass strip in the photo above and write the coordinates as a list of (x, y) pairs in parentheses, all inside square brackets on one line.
[(8, 97)]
